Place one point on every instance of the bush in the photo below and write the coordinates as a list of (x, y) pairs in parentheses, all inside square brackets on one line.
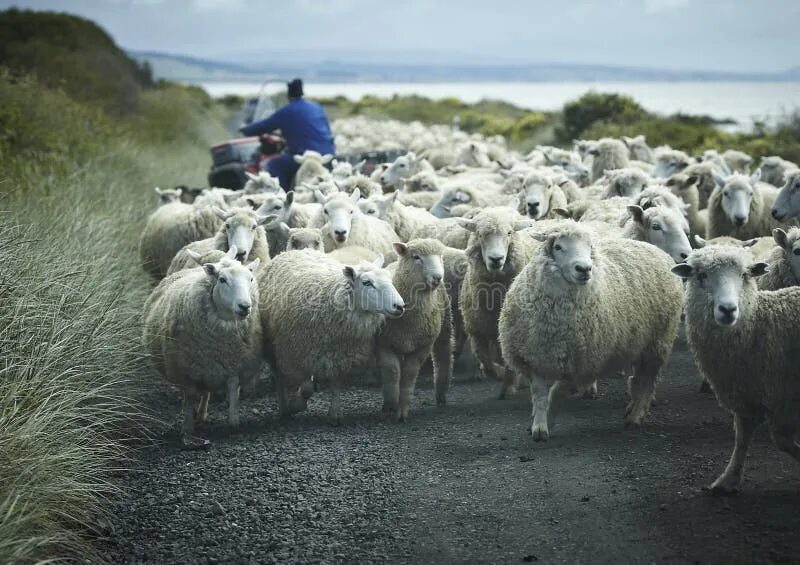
[(580, 115)]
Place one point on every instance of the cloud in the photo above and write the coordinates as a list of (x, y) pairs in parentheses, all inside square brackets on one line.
[(656, 6)]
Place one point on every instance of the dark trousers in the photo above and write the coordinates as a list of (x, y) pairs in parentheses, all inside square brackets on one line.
[(283, 167)]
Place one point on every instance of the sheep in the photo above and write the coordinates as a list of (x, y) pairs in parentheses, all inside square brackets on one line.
[(702, 176), (568, 161), (219, 197), (584, 307), (423, 181), (540, 196), (447, 230), (744, 341), (783, 261), (286, 211), (670, 161), (737, 161), (202, 331), (685, 188), (307, 298), (774, 169), (304, 238), (367, 187), (607, 154), (263, 182), (353, 255), (198, 259), (463, 194), (312, 165), (402, 168), (496, 252), (425, 330), (241, 227), (787, 204), (420, 199), (608, 210), (473, 154), (625, 182), (660, 226), (168, 229), (343, 224), (740, 206), (638, 150), (168, 196), (405, 220), (455, 269)]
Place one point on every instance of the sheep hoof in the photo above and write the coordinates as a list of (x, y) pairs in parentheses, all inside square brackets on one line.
[(540, 432), (441, 401), (194, 443), (721, 488), (631, 424), (705, 387)]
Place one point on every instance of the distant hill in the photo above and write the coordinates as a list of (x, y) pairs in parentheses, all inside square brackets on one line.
[(182, 68)]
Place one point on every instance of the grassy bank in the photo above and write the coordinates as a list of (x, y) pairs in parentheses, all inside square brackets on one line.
[(76, 182)]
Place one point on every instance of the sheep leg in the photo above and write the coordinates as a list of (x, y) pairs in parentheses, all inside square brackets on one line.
[(443, 359), (731, 478), (202, 408), (389, 365), (282, 394), (189, 403), (540, 405), (705, 386), (783, 436), (409, 372), (233, 400), (335, 410), (642, 389), (483, 351)]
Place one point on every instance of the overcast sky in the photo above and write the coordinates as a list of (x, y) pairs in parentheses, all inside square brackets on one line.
[(726, 35)]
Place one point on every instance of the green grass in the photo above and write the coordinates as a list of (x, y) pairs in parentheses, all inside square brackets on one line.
[(71, 293)]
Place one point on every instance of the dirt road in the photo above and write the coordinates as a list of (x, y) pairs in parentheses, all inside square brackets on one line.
[(462, 484)]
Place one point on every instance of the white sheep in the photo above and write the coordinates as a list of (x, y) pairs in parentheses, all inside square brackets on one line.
[(540, 196), (783, 261), (403, 167), (745, 343), (670, 161), (660, 226), (263, 182), (304, 238), (202, 331), (737, 161), (168, 196), (638, 150), (312, 166), (585, 307), (307, 300), (425, 330), (774, 169), (405, 220), (607, 154), (628, 182), (787, 204), (497, 251), (343, 224)]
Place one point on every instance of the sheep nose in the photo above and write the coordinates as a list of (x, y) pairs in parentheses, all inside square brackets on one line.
[(729, 311), (776, 214), (583, 269), (436, 280), (244, 309), (399, 308), (241, 256), (533, 207), (684, 255), (496, 259), (340, 233), (740, 220)]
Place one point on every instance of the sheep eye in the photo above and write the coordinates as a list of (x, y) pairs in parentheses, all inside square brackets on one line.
[(325, 212), (278, 207), (557, 247), (367, 283), (223, 280), (725, 194), (416, 258), (796, 251), (656, 227), (227, 226), (401, 165), (510, 232)]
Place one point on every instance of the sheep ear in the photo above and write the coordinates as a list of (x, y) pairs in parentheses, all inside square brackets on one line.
[(636, 213), (683, 270), (690, 180), (539, 236), (718, 179), (250, 202), (378, 262), (756, 176), (758, 269), (159, 191), (400, 248), (327, 159), (750, 242), (462, 196), (232, 251), (699, 241), (318, 196), (261, 220), (563, 212), (289, 198), (468, 225), (349, 272), (254, 265), (179, 192), (357, 166), (211, 269), (779, 236), (196, 257), (298, 159), (221, 214), (626, 140), (523, 224), (593, 151), (356, 196), (251, 176)]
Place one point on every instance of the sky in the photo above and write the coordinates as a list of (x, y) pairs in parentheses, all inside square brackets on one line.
[(717, 35)]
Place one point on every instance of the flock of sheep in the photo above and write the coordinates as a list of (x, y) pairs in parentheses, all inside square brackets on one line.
[(559, 266)]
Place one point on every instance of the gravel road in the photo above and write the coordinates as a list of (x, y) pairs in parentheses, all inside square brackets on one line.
[(460, 484)]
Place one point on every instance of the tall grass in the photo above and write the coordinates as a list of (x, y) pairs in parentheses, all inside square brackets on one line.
[(72, 372)]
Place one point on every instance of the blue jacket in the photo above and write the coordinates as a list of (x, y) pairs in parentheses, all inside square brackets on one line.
[(303, 123)]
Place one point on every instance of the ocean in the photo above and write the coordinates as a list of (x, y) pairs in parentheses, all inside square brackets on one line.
[(743, 102)]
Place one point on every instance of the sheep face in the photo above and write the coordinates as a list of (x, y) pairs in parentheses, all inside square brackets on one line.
[(790, 244), (338, 210), (724, 278), (421, 182), (369, 207), (342, 170), (235, 291), (664, 228), (262, 182), (571, 163), (773, 169), (583, 147), (737, 195), (787, 204), (493, 231), (372, 289), (535, 196), (304, 238), (670, 162), (473, 154), (570, 254), (273, 204), (627, 182), (240, 227), (402, 168), (422, 258), (638, 148), (450, 198), (168, 196)]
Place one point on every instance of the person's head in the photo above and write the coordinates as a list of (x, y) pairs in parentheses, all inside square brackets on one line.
[(295, 89)]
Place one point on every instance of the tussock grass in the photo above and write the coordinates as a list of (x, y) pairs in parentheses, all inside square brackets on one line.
[(72, 370)]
